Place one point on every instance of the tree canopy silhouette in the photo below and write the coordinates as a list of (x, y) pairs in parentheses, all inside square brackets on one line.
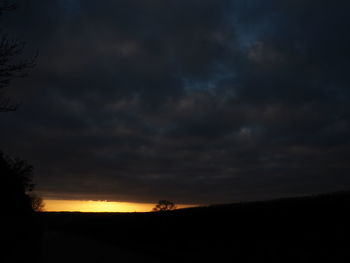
[(15, 174), (16, 181), (164, 205), (11, 65)]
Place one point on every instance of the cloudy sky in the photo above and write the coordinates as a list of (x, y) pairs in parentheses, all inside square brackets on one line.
[(192, 101)]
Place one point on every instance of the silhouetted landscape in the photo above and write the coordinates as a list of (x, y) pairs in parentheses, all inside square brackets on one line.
[(235, 103), (306, 229)]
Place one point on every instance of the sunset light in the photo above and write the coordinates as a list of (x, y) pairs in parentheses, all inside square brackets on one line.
[(175, 131), (98, 206)]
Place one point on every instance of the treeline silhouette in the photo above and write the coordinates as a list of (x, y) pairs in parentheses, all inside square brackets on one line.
[(16, 182), (21, 228), (308, 229)]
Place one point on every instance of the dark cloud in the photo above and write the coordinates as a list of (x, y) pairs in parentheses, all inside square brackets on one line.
[(195, 101)]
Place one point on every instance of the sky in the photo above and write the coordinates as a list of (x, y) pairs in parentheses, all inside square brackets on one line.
[(198, 102)]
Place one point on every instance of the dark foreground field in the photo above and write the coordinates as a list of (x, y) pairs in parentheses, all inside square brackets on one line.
[(311, 229)]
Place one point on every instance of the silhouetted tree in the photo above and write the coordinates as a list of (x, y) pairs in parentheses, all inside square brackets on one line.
[(11, 66), (16, 174), (16, 183), (37, 202), (21, 230), (164, 205)]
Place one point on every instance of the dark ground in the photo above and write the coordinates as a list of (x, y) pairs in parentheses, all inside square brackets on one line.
[(310, 229)]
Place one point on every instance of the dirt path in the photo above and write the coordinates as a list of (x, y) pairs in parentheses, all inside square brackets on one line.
[(67, 248)]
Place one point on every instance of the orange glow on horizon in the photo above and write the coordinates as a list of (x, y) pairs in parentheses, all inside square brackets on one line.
[(98, 206)]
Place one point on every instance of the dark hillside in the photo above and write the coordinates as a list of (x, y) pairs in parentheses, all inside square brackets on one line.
[(306, 229)]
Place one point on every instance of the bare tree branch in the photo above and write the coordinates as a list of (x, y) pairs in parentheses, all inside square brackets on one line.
[(11, 66), (6, 6)]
